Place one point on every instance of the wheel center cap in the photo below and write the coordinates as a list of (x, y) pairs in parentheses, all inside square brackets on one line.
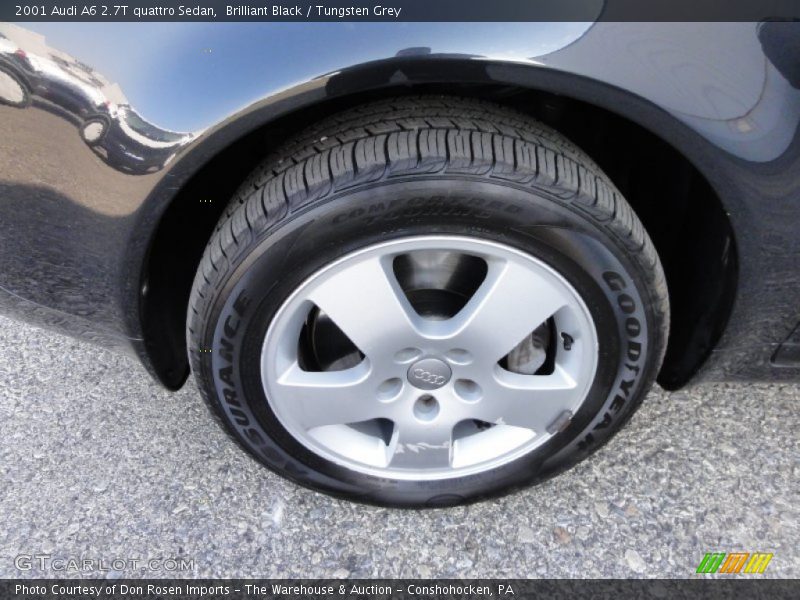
[(429, 374)]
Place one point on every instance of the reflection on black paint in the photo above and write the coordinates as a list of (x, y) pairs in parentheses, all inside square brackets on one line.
[(43, 257), (33, 74)]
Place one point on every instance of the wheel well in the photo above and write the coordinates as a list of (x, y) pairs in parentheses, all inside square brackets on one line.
[(683, 215)]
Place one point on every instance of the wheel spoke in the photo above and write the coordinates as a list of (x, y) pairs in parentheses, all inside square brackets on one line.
[(530, 401), (331, 397), (421, 446), (367, 304), (512, 301)]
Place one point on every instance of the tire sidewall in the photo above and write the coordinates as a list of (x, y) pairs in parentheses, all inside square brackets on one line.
[(604, 272)]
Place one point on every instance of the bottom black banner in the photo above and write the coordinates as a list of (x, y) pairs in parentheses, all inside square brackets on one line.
[(417, 589)]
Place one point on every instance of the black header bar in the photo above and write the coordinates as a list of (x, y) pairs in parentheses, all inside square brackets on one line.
[(398, 10)]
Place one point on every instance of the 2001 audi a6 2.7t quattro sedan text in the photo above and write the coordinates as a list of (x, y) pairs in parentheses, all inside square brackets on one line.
[(410, 264)]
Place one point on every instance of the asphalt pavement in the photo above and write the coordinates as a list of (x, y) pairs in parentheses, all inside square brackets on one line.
[(100, 464)]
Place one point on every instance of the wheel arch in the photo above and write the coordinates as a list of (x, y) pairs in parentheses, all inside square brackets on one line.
[(182, 210)]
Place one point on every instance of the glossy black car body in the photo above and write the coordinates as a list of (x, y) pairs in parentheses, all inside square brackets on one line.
[(129, 143), (101, 238)]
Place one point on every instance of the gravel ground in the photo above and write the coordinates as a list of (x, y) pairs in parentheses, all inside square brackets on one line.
[(98, 462)]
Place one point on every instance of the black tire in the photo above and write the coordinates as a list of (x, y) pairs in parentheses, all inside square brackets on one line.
[(411, 166)]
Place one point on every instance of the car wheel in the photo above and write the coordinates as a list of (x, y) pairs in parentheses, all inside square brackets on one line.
[(94, 130), (12, 91), (426, 301)]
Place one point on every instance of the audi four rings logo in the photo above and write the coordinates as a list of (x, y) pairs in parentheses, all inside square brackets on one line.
[(428, 377)]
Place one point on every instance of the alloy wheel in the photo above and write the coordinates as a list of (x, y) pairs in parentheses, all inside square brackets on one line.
[(429, 357)]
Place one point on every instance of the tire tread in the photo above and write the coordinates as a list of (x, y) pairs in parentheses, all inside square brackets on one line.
[(415, 136)]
